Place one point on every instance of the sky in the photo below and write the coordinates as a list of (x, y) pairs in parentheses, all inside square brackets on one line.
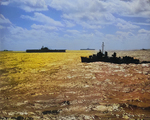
[(74, 24)]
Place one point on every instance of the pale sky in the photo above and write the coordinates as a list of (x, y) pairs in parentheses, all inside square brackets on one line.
[(74, 24)]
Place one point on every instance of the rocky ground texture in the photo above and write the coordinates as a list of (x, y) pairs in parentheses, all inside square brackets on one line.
[(82, 91)]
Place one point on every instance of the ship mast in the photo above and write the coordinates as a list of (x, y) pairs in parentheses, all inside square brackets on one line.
[(103, 47)]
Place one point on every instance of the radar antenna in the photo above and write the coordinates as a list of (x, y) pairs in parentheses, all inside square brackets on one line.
[(103, 47)]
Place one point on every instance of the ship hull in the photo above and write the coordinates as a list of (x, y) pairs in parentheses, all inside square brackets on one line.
[(39, 51)]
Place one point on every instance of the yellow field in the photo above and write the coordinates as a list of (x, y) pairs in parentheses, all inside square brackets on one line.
[(20, 67)]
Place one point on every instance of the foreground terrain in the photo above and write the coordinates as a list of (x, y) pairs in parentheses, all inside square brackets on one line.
[(59, 86)]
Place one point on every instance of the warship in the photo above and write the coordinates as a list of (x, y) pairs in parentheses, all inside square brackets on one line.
[(104, 58), (87, 49), (100, 56), (45, 49)]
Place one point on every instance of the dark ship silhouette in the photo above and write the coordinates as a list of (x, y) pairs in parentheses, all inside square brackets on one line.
[(105, 58), (87, 49), (45, 49)]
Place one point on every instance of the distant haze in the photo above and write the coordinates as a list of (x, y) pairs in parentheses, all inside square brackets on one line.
[(74, 24)]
